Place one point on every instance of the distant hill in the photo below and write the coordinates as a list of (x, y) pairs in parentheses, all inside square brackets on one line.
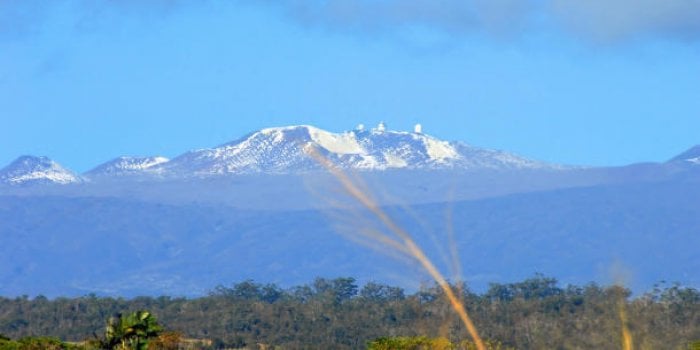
[(73, 246)]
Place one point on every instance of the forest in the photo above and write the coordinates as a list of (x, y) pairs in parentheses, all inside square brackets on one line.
[(536, 313)]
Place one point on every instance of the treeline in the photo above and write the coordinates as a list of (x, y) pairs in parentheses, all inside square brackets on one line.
[(536, 313)]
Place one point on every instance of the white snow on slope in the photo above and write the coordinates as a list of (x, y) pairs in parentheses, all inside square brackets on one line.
[(440, 150), (30, 169), (345, 143), (129, 166), (393, 161), (281, 150)]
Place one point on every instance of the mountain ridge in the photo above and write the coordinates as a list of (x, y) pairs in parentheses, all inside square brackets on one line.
[(691, 155), (281, 150)]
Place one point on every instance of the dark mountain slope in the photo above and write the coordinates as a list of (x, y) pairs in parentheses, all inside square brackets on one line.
[(58, 246)]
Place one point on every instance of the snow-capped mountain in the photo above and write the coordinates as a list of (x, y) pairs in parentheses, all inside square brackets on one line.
[(129, 166), (690, 156), (282, 150), (30, 170), (180, 228)]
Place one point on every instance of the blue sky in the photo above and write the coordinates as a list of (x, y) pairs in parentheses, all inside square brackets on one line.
[(597, 82)]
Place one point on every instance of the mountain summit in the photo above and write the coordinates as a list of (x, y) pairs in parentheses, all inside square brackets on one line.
[(692, 155), (30, 170), (281, 150)]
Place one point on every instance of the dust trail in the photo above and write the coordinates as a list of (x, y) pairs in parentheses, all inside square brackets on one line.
[(367, 235), (405, 239), (424, 226), (620, 274), (626, 335)]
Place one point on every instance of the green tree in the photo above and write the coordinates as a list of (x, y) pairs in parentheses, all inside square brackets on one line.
[(131, 332)]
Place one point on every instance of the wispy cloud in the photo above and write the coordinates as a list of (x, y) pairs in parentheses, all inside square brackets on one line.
[(19, 18), (617, 20), (454, 16), (609, 21), (593, 20)]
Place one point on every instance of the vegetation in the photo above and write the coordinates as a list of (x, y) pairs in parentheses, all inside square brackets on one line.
[(131, 332), (536, 313), (425, 343), (136, 331), (35, 343)]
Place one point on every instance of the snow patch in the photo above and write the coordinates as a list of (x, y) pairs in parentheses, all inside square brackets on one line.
[(135, 163), (393, 161), (130, 166), (36, 169), (344, 143), (52, 175), (439, 150), (368, 163)]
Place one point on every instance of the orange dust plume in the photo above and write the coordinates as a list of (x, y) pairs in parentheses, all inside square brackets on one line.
[(620, 273), (626, 335), (404, 239)]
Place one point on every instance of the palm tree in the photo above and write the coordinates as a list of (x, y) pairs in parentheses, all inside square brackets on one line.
[(131, 332)]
